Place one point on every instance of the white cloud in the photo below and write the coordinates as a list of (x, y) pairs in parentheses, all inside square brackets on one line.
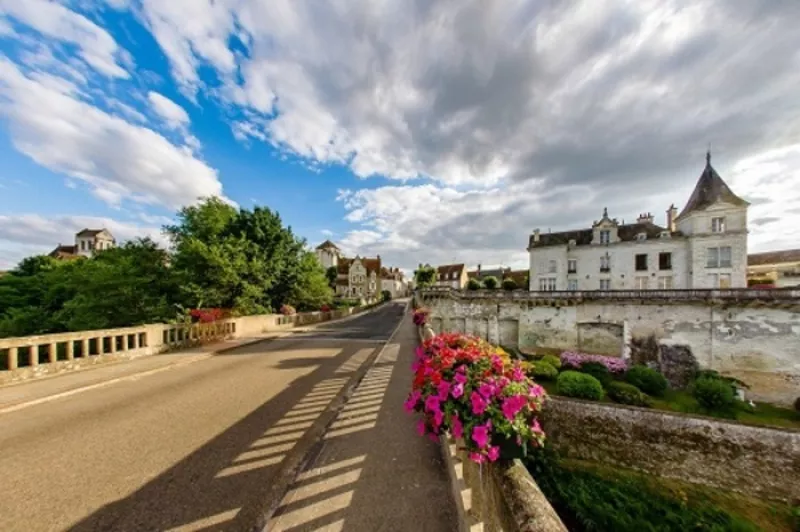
[(96, 46), (117, 159), (32, 234), (6, 30), (327, 232), (173, 114)]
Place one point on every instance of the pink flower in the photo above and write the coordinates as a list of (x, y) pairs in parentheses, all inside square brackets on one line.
[(517, 374), (487, 390), (512, 405), (434, 438), (497, 363), (438, 417), (478, 404), (419, 351), (460, 378), (458, 428), (478, 458), (536, 391), (432, 403), (494, 453), (535, 427), (421, 427), (412, 400), (457, 390), (444, 390), (480, 434)]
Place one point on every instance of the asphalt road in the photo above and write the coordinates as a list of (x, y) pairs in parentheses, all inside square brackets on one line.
[(192, 448)]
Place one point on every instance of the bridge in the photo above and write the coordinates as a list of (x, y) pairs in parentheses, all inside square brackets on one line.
[(300, 431)]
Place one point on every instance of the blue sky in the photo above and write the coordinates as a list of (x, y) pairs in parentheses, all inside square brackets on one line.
[(429, 132)]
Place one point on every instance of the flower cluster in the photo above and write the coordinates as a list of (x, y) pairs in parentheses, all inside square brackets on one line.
[(473, 390), (570, 359), (421, 316), (206, 315), (325, 308), (288, 310)]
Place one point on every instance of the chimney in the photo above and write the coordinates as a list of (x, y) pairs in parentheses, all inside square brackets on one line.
[(479, 270), (645, 218), (535, 235), (672, 213)]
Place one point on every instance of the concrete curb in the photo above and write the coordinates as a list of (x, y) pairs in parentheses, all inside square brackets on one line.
[(311, 443)]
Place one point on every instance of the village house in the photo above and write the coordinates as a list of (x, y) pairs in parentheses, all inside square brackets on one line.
[(361, 277), (705, 246), (392, 281), (520, 277), (451, 275), (87, 242), (779, 269)]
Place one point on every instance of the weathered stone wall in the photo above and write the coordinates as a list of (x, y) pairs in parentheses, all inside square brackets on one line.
[(758, 461), (757, 341)]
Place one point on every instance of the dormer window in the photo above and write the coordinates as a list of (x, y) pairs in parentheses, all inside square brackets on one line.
[(605, 236), (572, 243), (718, 224), (641, 237)]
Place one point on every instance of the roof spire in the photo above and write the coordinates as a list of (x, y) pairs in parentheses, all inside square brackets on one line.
[(708, 157), (605, 212)]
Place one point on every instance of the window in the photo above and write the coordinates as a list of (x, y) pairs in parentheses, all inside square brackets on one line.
[(572, 266), (605, 237), (641, 283), (718, 225), (572, 284), (605, 284), (719, 280), (552, 267), (605, 263), (665, 261), (641, 237), (641, 262), (83, 245), (547, 284), (665, 283), (454, 275), (718, 257)]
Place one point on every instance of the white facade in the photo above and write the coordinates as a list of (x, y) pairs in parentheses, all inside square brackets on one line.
[(87, 242), (327, 255), (704, 247)]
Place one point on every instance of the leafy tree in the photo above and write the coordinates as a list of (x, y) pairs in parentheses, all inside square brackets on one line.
[(509, 284), (331, 274), (311, 291), (36, 264), (490, 282), (474, 284), (424, 276)]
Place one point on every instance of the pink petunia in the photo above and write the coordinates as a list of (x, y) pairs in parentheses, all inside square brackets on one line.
[(479, 404), (458, 428), (487, 390), (460, 378), (478, 458), (421, 429), (517, 374), (457, 390), (438, 417), (512, 405), (432, 403), (444, 390), (535, 427), (494, 453), (480, 435)]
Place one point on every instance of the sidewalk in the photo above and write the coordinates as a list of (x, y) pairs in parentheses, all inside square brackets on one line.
[(372, 471), (26, 393)]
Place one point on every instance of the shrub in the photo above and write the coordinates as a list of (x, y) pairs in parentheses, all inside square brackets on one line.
[(420, 317), (509, 284), (576, 360), (288, 310), (598, 371), (552, 360), (490, 282), (714, 394), (543, 371), (474, 284), (386, 295), (627, 394), (648, 380), (580, 385)]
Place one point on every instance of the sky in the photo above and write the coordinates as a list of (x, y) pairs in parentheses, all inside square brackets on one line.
[(424, 131)]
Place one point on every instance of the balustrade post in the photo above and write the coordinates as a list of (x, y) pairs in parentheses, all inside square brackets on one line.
[(52, 352), (33, 355), (70, 349), (85, 348), (13, 360), (112, 345), (135, 344)]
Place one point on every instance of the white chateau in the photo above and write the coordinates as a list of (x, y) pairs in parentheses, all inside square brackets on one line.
[(705, 246), (87, 243)]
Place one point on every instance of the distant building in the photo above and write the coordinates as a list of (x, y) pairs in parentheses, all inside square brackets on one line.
[(358, 277), (780, 269), (328, 254), (392, 281), (87, 243), (520, 277), (705, 246), (451, 275)]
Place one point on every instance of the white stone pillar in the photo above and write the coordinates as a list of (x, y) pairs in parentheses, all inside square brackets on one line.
[(13, 358), (52, 352), (85, 348), (70, 349), (33, 355)]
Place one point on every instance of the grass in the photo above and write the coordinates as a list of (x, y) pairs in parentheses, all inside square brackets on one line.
[(590, 496)]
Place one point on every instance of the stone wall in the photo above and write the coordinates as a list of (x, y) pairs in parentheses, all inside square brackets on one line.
[(751, 335), (757, 461)]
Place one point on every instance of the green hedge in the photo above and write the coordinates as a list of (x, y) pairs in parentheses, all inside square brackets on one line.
[(647, 380), (714, 394), (598, 371), (627, 394), (579, 385), (552, 360), (543, 371)]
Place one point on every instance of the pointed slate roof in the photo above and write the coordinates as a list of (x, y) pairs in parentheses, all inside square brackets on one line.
[(710, 189), (328, 245)]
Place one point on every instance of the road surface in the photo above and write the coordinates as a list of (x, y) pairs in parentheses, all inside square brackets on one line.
[(197, 447)]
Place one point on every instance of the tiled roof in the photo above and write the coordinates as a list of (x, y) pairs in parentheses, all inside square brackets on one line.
[(343, 265), (446, 272), (63, 252), (328, 245), (773, 257), (583, 237), (371, 265), (519, 277), (90, 232), (710, 188)]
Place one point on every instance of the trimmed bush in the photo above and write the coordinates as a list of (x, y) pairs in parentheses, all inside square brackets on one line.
[(552, 360), (509, 284), (714, 394), (647, 380), (474, 284), (627, 394), (542, 371), (579, 385), (490, 282), (598, 371)]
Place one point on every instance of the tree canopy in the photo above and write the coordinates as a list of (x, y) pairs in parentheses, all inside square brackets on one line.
[(245, 261), (424, 276)]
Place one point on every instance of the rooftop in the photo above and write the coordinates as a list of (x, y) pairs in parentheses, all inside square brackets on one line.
[(710, 189), (773, 257)]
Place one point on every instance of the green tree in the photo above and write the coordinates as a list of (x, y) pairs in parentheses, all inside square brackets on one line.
[(331, 274), (509, 284), (424, 276), (311, 290), (490, 282), (36, 264), (474, 284)]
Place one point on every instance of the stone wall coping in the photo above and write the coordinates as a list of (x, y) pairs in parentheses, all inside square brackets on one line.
[(777, 295), (766, 429)]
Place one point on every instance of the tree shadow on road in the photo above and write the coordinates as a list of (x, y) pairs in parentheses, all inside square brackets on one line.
[(225, 484)]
